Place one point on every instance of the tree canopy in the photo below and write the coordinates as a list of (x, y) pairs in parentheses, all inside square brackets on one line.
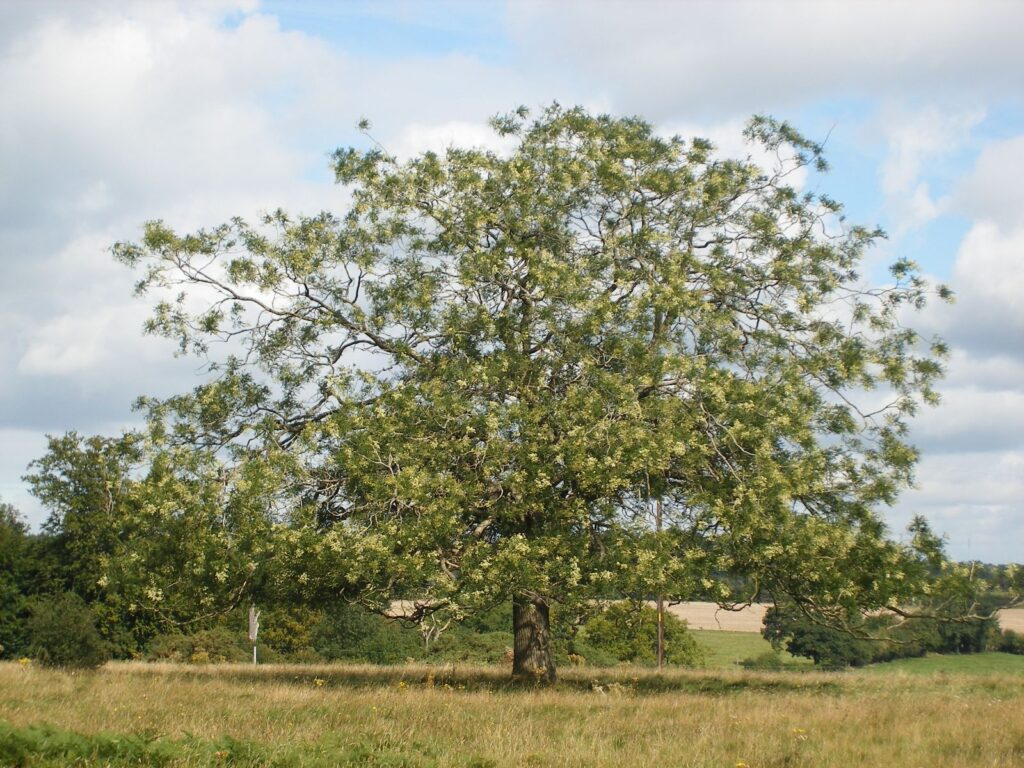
[(472, 384)]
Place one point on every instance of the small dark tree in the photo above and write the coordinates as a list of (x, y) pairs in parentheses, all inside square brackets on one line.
[(62, 633), (786, 626), (14, 548)]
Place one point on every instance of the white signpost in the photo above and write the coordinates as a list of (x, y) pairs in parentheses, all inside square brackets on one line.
[(254, 628)]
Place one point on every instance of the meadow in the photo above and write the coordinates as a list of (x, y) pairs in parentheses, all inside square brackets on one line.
[(727, 650), (413, 715)]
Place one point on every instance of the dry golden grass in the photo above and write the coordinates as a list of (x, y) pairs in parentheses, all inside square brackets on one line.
[(415, 715)]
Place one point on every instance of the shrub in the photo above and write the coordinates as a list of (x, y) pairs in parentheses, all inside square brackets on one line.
[(17, 563), (352, 633), (1009, 641), (287, 632), (214, 645), (627, 632), (767, 661), (474, 647), (966, 636), (62, 633), (786, 626), (826, 647)]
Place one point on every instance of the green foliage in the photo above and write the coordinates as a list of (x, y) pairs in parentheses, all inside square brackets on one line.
[(62, 633), (629, 633), (951, 611), (214, 645), (874, 639), (770, 661), (826, 646), (86, 485), (457, 645), (149, 538), (560, 335), (967, 636), (14, 547), (351, 633), (288, 630), (1009, 641)]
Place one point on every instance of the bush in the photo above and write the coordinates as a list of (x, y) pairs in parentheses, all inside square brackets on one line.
[(1009, 641), (579, 652), (468, 646), (352, 633), (767, 661), (966, 636), (287, 633), (786, 625), (62, 633), (626, 632), (205, 646), (826, 647)]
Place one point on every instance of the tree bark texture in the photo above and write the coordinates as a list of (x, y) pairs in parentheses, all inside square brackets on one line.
[(532, 658)]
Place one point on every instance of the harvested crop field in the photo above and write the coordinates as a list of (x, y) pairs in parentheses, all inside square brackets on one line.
[(750, 618), (711, 616), (1012, 618)]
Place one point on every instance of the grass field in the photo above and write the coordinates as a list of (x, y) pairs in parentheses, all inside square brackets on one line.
[(159, 714), (970, 664), (725, 650)]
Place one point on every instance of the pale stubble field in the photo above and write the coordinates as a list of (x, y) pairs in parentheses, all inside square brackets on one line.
[(751, 618)]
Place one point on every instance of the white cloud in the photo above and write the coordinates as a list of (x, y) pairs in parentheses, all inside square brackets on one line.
[(972, 418), (90, 345), (988, 273), (703, 57), (418, 137), (988, 279), (117, 113), (974, 498), (915, 140), (993, 191), (971, 480), (17, 447)]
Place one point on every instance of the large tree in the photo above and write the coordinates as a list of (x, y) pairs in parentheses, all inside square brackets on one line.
[(474, 383)]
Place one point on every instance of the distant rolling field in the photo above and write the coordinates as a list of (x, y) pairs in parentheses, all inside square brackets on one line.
[(1012, 618), (710, 616)]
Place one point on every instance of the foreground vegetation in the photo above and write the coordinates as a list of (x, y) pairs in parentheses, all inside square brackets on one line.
[(414, 715)]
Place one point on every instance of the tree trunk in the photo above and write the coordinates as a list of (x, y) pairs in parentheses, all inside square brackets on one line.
[(532, 659)]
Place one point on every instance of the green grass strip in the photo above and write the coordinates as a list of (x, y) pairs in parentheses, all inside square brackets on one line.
[(44, 746)]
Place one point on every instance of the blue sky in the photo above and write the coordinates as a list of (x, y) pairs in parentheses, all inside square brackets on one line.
[(119, 112)]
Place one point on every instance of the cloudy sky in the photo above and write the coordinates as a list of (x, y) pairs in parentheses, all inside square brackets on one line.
[(118, 112)]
